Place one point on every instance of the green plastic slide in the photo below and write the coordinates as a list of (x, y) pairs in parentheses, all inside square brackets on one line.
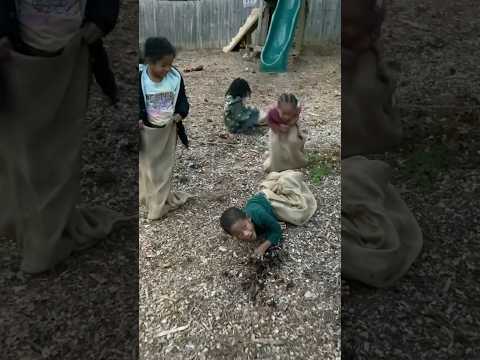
[(274, 58)]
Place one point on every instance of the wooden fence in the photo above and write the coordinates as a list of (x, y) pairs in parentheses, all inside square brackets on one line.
[(208, 24)]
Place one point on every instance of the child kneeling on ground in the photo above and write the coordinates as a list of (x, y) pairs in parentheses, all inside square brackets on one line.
[(238, 117)]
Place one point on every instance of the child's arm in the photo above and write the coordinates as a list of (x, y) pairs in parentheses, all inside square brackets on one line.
[(103, 13), (273, 120), (182, 107), (141, 101), (262, 249), (273, 230), (294, 121)]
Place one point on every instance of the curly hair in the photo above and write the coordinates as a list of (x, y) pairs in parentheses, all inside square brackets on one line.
[(230, 217), (157, 48), (239, 88)]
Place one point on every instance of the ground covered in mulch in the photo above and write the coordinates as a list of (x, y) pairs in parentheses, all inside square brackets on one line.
[(433, 312), (200, 297), (87, 308)]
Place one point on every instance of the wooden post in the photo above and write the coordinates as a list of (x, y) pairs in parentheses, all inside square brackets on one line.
[(257, 33), (300, 30), (263, 25)]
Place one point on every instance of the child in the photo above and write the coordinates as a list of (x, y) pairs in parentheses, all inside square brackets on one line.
[(283, 197), (286, 141), (46, 63), (163, 105), (361, 23), (238, 117), (256, 221), (369, 120)]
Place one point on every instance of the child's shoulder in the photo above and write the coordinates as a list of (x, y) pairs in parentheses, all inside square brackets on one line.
[(273, 113), (258, 199), (177, 71)]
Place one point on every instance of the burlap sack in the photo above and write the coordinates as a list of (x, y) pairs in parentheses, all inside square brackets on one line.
[(286, 151), (157, 161), (290, 196), (380, 236), (40, 143)]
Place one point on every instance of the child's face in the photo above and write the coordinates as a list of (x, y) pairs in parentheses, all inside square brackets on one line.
[(288, 112), (162, 67), (354, 38), (244, 230), (246, 99), (355, 16)]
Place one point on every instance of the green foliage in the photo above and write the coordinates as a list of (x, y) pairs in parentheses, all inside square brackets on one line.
[(320, 166), (425, 166)]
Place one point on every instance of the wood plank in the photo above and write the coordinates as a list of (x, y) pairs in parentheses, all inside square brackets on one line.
[(244, 31)]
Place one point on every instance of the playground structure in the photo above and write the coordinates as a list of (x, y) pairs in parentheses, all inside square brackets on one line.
[(280, 29), (272, 30)]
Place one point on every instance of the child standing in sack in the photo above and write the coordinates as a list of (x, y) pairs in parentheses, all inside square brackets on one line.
[(163, 106), (286, 140)]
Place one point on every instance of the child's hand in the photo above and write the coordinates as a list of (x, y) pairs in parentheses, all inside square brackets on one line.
[(293, 122), (257, 254), (4, 48), (177, 118), (261, 250), (91, 33), (283, 128)]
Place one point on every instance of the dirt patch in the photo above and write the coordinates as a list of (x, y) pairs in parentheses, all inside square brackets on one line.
[(196, 279)]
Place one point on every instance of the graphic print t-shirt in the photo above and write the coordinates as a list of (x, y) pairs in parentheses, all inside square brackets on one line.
[(50, 24), (161, 97)]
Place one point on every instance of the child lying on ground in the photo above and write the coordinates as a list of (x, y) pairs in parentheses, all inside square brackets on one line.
[(163, 105), (283, 197), (286, 141), (256, 221), (238, 117)]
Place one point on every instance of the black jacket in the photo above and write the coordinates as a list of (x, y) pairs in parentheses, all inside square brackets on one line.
[(182, 107), (103, 13)]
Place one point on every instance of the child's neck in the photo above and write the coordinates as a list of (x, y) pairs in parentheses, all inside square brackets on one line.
[(152, 77)]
